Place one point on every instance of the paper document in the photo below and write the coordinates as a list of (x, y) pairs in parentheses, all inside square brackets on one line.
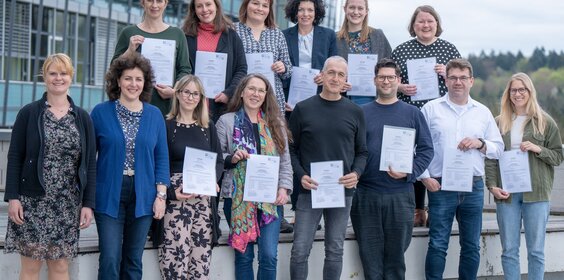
[(397, 149), (458, 172), (161, 54), (329, 193), (361, 74), (421, 72), (211, 68), (515, 174), (302, 85), (261, 178), (261, 63), (198, 172)]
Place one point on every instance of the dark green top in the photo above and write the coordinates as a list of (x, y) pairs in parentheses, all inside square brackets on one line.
[(541, 165), (182, 64)]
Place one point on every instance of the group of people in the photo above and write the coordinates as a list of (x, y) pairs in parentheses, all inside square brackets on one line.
[(123, 164)]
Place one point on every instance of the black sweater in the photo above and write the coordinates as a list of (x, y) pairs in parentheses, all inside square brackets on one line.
[(25, 155), (325, 130)]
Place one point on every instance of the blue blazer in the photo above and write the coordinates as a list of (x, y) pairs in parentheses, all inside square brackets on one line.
[(151, 158), (324, 46)]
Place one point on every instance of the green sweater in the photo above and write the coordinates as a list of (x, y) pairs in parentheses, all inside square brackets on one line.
[(541, 165), (182, 65)]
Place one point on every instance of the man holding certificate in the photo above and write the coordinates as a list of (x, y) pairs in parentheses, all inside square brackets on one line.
[(383, 205), (464, 133), (328, 130)]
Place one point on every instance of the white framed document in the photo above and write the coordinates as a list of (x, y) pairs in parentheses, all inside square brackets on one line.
[(397, 149), (261, 178), (421, 72), (198, 172), (211, 68), (515, 172), (458, 172), (361, 74), (302, 85), (329, 193), (261, 63), (161, 53)]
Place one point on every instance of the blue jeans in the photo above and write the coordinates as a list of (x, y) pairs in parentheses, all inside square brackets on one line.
[(383, 224), (305, 226), (267, 253), (467, 208), (534, 216), (361, 100), (122, 239)]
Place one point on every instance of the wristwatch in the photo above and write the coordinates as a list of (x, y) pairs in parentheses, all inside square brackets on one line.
[(483, 143), (161, 195)]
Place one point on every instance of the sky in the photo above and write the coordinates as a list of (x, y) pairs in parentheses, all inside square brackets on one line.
[(476, 25)]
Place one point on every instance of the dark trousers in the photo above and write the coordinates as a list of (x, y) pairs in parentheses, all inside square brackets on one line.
[(383, 225), (420, 191)]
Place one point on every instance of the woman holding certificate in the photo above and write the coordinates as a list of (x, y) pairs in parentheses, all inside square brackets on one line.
[(524, 126), (132, 168), (425, 26), (132, 38), (207, 29), (189, 218), (253, 126), (257, 29), (356, 37)]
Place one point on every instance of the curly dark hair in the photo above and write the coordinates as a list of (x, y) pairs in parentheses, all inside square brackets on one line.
[(291, 10), (128, 62)]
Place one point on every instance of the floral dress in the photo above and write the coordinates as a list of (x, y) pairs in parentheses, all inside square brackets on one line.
[(51, 223)]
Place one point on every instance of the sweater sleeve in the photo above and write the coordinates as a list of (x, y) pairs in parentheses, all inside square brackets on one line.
[(424, 148), (89, 196), (361, 151), (182, 64), (16, 155), (551, 150), (162, 168), (295, 128), (239, 63), (216, 148), (284, 55)]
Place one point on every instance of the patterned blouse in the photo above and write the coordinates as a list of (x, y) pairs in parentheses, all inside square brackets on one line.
[(413, 49), (129, 122), (357, 47), (271, 40)]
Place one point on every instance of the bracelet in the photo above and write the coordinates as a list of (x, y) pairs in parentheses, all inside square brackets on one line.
[(483, 143)]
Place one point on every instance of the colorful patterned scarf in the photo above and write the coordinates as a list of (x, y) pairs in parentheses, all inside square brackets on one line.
[(244, 221)]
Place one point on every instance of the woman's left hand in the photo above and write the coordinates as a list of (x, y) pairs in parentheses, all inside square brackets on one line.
[(86, 214), (159, 208), (528, 146), (164, 91), (441, 70), (281, 197), (221, 98), (278, 67)]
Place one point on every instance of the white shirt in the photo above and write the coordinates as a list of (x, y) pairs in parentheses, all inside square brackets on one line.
[(450, 123), (517, 131), (305, 47)]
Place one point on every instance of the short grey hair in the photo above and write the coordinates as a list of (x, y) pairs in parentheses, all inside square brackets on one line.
[(333, 58)]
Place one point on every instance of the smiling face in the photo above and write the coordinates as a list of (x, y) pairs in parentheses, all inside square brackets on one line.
[(334, 76), (356, 11), (519, 95), (57, 79), (154, 8), (131, 84), (306, 13), (387, 83), (188, 98), (459, 82), (258, 10), (205, 10), (254, 95), (425, 27)]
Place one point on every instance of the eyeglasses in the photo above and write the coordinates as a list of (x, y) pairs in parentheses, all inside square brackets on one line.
[(255, 90), (188, 94), (518, 90), (390, 78), (462, 79)]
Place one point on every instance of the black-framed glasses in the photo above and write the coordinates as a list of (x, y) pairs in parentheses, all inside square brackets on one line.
[(521, 90), (454, 79), (256, 90), (188, 94), (383, 78)]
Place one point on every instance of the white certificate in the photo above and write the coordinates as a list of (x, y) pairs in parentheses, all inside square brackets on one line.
[(397, 149), (302, 85), (161, 54), (198, 172), (329, 193), (458, 172), (421, 72), (361, 74), (211, 68), (261, 63), (261, 178), (515, 175)]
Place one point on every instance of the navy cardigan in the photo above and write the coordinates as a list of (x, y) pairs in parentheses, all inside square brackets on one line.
[(324, 46), (25, 156), (151, 158)]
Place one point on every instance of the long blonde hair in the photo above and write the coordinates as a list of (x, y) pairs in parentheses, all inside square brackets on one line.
[(535, 114), (200, 114), (343, 33)]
